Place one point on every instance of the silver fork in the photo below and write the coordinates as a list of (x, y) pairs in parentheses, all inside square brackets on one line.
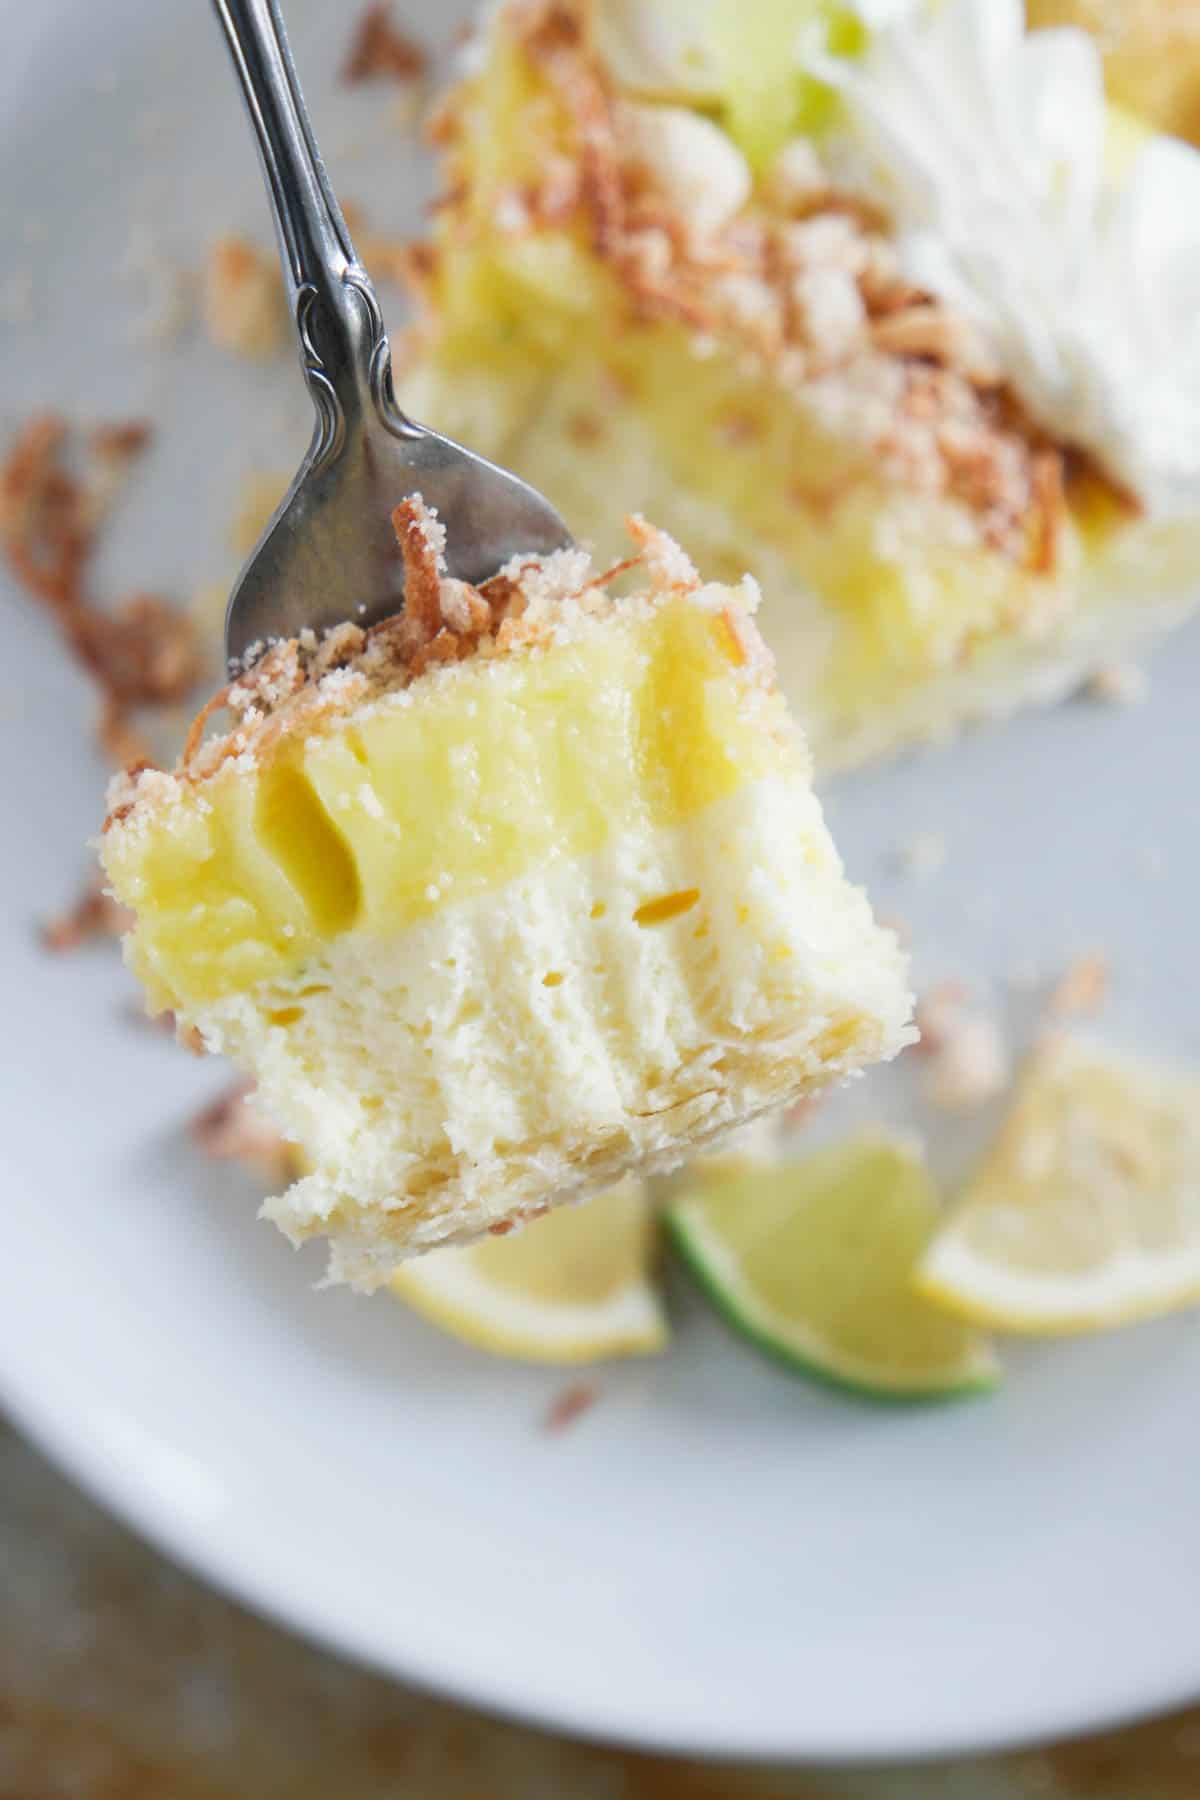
[(329, 552)]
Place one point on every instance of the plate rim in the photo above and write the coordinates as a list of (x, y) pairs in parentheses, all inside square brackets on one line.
[(204, 1553), (47, 1414)]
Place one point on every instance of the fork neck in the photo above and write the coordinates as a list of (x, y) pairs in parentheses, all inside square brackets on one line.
[(344, 348)]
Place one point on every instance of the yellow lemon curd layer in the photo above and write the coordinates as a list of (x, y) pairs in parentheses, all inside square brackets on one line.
[(436, 793)]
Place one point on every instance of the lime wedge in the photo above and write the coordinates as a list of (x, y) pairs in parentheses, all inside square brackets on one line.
[(812, 1261)]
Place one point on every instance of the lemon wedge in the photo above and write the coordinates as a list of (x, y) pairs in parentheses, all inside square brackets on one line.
[(572, 1287), (1086, 1211), (812, 1261)]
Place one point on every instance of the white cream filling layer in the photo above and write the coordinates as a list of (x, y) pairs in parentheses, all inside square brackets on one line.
[(596, 1015)]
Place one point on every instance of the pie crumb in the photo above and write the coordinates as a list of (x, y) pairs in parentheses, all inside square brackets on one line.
[(968, 1061), (380, 50), (243, 298), (1118, 684), (94, 915), (568, 1405), (1083, 987), (937, 1014), (229, 1129), (143, 653)]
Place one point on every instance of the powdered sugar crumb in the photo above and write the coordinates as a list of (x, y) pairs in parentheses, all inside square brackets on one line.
[(967, 1060), (1118, 684), (668, 563)]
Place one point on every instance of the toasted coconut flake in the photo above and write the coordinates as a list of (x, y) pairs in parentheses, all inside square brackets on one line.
[(95, 915), (123, 440), (1118, 684), (294, 685), (570, 1405), (144, 653), (1083, 986), (244, 309), (379, 50), (46, 530), (1049, 511), (422, 539), (668, 563), (230, 1129), (968, 1060), (937, 1014), (464, 609)]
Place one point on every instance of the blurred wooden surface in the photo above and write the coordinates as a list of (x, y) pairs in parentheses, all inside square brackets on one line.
[(123, 1679)]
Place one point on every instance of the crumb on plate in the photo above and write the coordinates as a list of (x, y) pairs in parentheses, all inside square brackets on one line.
[(967, 1060), (380, 50), (94, 915), (244, 309), (231, 1129), (141, 653), (1118, 684), (1084, 985), (570, 1404)]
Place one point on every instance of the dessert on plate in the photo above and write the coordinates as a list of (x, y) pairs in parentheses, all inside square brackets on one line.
[(519, 892), (885, 303)]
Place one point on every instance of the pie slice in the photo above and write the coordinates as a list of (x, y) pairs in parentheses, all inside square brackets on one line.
[(514, 894)]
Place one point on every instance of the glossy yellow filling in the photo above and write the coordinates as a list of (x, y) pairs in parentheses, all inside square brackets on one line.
[(453, 786), (910, 594)]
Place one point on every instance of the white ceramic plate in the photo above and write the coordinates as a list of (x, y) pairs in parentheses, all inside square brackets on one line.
[(716, 1556)]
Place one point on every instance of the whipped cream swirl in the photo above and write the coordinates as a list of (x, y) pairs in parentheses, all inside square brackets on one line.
[(988, 147)]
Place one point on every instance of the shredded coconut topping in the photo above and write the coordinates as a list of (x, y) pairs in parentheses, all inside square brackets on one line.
[(532, 602), (668, 564)]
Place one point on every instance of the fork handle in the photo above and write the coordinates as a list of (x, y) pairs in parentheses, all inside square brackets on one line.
[(344, 348)]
